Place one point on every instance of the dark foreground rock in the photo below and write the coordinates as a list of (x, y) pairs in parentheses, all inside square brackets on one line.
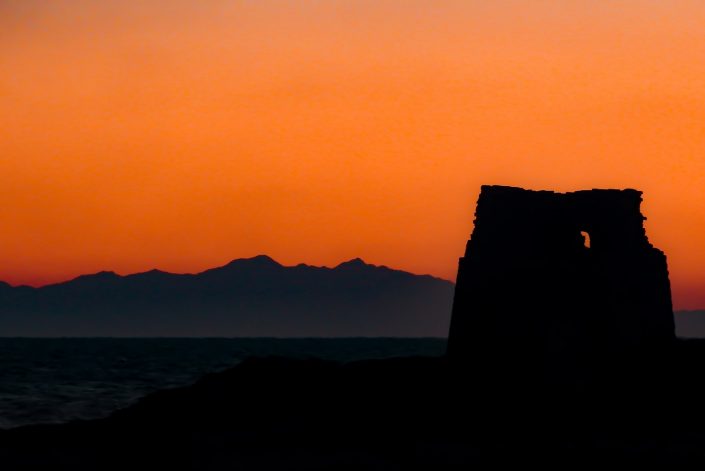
[(413, 413)]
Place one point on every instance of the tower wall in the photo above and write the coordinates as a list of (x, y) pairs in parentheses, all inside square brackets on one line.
[(528, 288)]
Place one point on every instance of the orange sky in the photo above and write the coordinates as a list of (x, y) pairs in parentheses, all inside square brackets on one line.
[(182, 134)]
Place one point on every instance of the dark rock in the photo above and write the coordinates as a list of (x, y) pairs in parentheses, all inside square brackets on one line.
[(403, 413)]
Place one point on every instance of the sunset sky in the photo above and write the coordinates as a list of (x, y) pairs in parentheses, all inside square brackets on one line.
[(181, 134)]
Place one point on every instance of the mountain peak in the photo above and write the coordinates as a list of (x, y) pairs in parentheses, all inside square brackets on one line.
[(354, 263), (153, 273), (258, 260), (101, 276)]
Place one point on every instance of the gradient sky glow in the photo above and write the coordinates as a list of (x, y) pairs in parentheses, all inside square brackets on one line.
[(181, 134)]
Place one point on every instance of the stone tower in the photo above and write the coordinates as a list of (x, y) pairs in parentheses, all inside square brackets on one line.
[(559, 277)]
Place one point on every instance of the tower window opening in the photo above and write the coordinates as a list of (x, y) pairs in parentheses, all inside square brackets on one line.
[(586, 239)]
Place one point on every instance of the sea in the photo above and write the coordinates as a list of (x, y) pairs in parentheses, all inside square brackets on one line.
[(56, 380)]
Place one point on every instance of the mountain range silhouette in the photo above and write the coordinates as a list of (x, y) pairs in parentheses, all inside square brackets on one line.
[(246, 297)]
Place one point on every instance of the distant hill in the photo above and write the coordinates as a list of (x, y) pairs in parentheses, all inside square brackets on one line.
[(246, 297)]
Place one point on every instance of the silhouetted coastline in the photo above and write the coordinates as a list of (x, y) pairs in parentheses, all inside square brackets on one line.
[(57, 380)]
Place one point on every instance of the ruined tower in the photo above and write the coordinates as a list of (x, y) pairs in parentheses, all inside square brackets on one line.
[(559, 277)]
